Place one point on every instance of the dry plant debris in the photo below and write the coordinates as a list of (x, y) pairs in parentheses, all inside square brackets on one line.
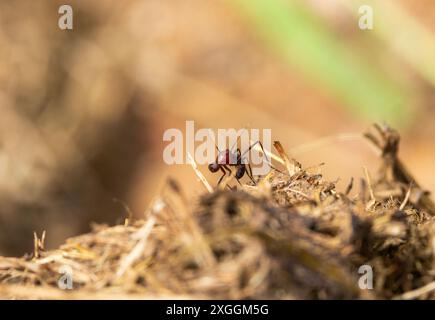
[(291, 236)]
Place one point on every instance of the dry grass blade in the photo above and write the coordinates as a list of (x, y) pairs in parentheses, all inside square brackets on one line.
[(414, 294), (291, 167), (137, 251), (405, 201), (38, 244), (372, 201), (269, 154), (199, 174)]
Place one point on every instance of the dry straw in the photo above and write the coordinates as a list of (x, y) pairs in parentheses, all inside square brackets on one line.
[(291, 235)]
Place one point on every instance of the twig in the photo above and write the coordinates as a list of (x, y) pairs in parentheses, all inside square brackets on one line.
[(269, 154), (405, 201), (291, 167), (137, 250), (369, 184), (417, 292), (47, 292), (126, 208), (349, 187), (298, 192), (199, 174), (39, 244), (142, 234)]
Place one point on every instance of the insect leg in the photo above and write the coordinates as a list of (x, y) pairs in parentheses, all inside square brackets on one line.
[(224, 174), (249, 173)]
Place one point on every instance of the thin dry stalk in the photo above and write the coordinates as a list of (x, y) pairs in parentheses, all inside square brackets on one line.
[(405, 201), (199, 174), (290, 165), (414, 294), (269, 154), (38, 244), (372, 201), (138, 249)]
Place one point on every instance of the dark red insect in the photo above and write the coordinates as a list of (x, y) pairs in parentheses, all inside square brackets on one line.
[(227, 159)]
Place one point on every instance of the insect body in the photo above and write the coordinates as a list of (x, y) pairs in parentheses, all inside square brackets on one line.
[(227, 159)]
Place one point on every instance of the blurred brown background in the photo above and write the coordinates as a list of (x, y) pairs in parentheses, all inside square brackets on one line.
[(82, 111)]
